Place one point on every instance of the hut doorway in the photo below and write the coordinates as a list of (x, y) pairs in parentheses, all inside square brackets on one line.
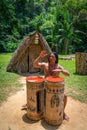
[(33, 52)]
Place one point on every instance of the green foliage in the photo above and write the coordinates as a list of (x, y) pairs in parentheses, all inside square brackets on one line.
[(10, 47), (57, 20), (2, 47)]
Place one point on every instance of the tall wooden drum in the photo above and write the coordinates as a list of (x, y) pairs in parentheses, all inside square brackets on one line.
[(35, 95), (54, 104)]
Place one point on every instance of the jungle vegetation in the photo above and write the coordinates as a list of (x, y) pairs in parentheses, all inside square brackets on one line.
[(63, 23)]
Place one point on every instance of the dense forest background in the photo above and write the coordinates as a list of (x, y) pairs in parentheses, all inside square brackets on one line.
[(63, 23)]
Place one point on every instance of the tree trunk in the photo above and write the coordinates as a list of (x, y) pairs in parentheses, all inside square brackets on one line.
[(64, 47), (81, 63)]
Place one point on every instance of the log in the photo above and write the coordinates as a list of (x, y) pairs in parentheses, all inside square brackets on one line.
[(81, 63)]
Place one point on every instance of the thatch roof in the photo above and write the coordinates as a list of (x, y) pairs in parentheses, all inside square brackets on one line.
[(26, 53)]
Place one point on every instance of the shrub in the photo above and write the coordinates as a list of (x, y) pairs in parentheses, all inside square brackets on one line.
[(11, 46)]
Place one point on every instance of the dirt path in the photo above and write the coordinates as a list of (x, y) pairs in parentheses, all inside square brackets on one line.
[(12, 118)]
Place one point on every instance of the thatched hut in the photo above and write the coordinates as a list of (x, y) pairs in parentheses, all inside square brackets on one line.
[(26, 53)]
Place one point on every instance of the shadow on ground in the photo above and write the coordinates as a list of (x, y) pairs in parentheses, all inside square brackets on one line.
[(43, 123)]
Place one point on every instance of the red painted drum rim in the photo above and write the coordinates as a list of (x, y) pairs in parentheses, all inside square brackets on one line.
[(36, 79), (54, 79)]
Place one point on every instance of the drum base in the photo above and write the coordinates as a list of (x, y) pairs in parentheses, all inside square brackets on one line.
[(54, 122), (35, 116)]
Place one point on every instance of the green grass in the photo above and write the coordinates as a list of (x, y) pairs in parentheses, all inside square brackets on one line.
[(8, 81), (75, 85)]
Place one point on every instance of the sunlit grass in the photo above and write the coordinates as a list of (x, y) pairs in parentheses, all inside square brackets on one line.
[(75, 85), (8, 81)]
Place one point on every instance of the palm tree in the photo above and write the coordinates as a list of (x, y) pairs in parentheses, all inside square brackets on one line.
[(65, 31), (68, 33)]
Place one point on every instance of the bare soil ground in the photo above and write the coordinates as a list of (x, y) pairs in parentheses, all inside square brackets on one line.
[(13, 118)]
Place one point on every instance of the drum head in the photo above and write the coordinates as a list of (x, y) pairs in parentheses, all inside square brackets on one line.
[(54, 79), (35, 79)]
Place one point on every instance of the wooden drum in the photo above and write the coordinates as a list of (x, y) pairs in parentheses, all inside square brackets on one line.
[(35, 95), (54, 104)]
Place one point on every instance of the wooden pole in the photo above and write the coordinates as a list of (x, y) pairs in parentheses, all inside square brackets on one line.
[(81, 63)]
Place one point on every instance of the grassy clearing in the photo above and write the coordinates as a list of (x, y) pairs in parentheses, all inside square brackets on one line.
[(75, 85), (8, 81)]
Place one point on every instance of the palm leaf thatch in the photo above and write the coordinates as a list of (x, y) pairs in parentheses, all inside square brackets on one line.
[(26, 53)]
